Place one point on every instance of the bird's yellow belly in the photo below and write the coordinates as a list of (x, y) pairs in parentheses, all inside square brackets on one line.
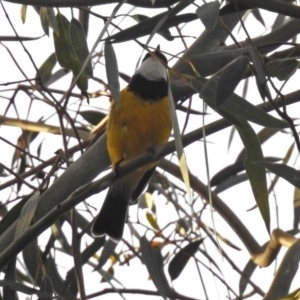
[(135, 126)]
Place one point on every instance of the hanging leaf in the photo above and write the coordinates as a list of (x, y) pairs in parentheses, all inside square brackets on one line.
[(208, 14), (79, 45), (46, 69), (62, 43), (52, 19), (68, 43), (230, 78), (296, 207), (246, 275), (154, 262), (257, 15), (181, 258), (112, 72), (178, 144), (256, 174), (260, 74), (23, 13), (152, 220), (44, 19)]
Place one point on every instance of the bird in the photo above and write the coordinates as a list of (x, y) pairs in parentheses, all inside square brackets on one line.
[(138, 123)]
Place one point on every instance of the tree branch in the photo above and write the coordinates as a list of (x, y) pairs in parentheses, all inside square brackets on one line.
[(74, 3)]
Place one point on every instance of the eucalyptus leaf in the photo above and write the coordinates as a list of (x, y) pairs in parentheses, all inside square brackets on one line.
[(208, 13)]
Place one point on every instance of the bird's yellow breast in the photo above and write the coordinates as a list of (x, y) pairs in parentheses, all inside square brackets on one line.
[(136, 125)]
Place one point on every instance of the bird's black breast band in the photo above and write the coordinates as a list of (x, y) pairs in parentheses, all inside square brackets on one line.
[(147, 89)]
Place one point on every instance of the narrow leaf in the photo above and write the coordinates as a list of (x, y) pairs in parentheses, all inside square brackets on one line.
[(233, 169), (178, 144), (181, 258), (230, 78), (112, 72), (46, 68), (79, 44), (62, 44), (264, 135), (44, 19), (235, 105), (154, 262), (256, 174), (92, 116), (296, 207), (164, 33), (246, 275), (260, 74), (23, 13), (52, 19), (288, 173), (146, 27), (285, 161), (208, 14), (282, 70), (152, 220), (27, 214), (257, 15)]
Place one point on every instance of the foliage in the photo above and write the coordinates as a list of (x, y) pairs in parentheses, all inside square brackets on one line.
[(59, 98)]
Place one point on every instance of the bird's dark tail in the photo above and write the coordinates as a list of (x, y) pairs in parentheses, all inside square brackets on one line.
[(112, 216)]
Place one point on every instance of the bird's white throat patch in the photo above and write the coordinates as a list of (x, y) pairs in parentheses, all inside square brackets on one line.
[(152, 69)]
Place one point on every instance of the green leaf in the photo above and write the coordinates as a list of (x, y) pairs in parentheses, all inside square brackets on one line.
[(154, 262), (260, 73), (285, 161), (27, 214), (282, 70), (208, 14), (164, 33), (92, 116), (232, 170), (181, 258), (288, 173), (256, 174), (79, 45), (44, 19), (46, 69), (146, 27), (112, 72), (66, 44), (296, 207), (62, 43), (52, 19), (264, 135), (246, 275), (235, 105), (57, 75), (230, 78)]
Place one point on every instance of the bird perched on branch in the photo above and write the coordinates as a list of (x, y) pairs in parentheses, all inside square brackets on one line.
[(138, 123)]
